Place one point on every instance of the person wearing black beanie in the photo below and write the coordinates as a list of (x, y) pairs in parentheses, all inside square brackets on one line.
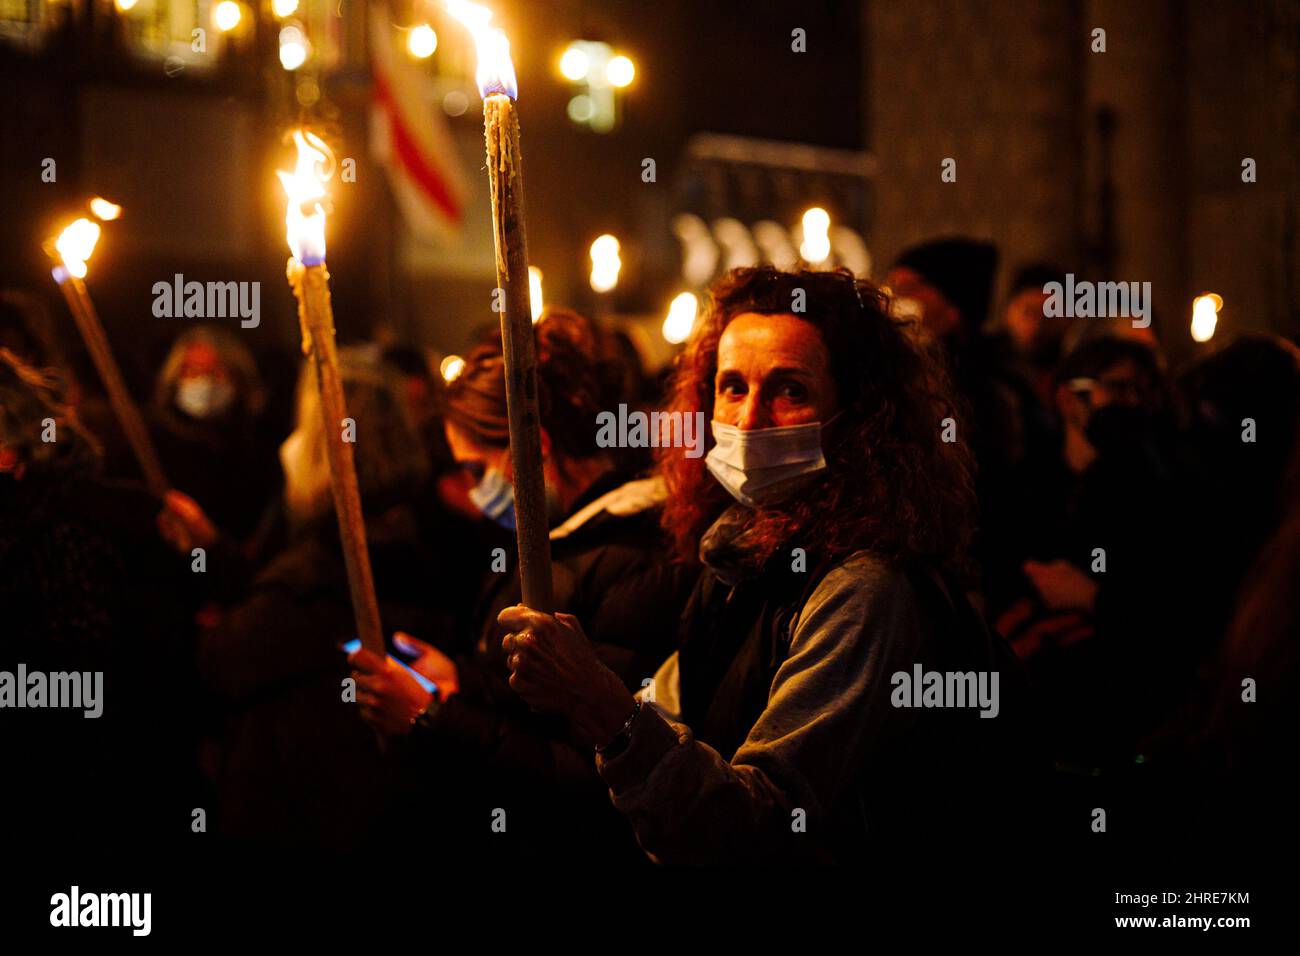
[(945, 286), (950, 282)]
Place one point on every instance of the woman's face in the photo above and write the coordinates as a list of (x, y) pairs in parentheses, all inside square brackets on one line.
[(773, 370), (204, 388)]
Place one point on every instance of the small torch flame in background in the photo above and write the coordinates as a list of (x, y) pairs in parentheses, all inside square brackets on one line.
[(535, 292), (815, 247), (305, 187), (104, 210), (1205, 316), (496, 71), (75, 245), (681, 318)]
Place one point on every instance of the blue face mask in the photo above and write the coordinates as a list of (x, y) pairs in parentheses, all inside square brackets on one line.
[(495, 497)]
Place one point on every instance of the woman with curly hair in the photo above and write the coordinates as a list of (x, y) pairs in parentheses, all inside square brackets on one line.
[(831, 516)]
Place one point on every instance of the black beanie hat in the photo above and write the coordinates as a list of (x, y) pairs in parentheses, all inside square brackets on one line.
[(962, 269)]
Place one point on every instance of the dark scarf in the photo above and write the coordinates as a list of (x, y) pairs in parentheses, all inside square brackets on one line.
[(734, 630), (728, 548)]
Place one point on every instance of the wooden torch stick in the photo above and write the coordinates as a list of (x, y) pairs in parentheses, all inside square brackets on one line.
[(532, 527), (83, 312), (315, 314)]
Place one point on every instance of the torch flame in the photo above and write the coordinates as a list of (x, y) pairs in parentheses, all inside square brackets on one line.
[(496, 71), (305, 187), (75, 244), (105, 210), (1205, 316)]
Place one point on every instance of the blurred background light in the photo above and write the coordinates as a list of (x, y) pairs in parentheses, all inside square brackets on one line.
[(422, 41), (620, 71), (226, 15), (535, 291), (1205, 316), (293, 48), (575, 63), (451, 366), (105, 210), (815, 247), (681, 318), (605, 263)]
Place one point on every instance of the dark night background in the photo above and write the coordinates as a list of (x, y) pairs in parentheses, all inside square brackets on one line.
[(1012, 93), (1118, 166)]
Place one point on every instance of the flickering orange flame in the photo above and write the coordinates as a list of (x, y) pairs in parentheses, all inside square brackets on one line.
[(496, 71), (305, 186), (75, 244)]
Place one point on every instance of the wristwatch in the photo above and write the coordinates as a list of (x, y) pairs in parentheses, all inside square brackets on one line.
[(623, 737)]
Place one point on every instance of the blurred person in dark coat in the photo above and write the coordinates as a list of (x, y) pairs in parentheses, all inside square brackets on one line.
[(294, 763), (212, 435), (1093, 585), (945, 286), (86, 585), (1242, 403), (476, 745)]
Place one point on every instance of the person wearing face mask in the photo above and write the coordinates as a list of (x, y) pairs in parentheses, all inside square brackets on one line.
[(295, 767), (830, 519), (1100, 630), (475, 743), (208, 423)]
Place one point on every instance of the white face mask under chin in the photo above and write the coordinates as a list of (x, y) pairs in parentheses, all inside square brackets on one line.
[(764, 465)]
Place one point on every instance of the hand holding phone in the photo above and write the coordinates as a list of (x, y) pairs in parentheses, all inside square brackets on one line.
[(428, 685)]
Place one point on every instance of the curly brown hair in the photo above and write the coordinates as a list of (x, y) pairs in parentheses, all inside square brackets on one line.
[(893, 485)]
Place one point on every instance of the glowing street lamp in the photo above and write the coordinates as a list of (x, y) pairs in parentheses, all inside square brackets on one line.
[(575, 64), (620, 71), (227, 15)]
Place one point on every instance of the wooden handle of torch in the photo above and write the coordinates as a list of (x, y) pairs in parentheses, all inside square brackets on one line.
[(532, 524), (83, 311), (317, 320)]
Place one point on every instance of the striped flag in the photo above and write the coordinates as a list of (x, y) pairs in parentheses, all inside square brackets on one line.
[(411, 138)]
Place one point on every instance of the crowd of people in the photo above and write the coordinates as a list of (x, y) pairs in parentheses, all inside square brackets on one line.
[(899, 482)]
